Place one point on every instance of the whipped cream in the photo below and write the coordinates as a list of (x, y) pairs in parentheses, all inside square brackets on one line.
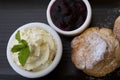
[(42, 48)]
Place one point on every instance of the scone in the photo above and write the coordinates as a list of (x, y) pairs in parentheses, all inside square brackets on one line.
[(116, 29), (96, 51)]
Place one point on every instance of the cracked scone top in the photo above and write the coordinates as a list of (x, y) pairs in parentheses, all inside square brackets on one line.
[(116, 28), (96, 51)]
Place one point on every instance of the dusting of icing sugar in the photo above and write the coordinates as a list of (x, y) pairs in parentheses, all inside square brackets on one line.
[(96, 50), (91, 52)]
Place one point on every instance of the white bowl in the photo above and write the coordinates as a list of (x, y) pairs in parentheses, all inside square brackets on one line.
[(50, 67), (73, 32)]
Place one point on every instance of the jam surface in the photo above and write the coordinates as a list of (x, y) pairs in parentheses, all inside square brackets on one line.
[(68, 15)]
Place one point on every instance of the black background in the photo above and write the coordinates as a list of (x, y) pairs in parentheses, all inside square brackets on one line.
[(15, 13)]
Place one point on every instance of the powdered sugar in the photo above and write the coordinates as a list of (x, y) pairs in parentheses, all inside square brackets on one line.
[(92, 52), (97, 50)]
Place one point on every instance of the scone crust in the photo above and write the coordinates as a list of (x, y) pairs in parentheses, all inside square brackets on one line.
[(116, 28), (111, 58)]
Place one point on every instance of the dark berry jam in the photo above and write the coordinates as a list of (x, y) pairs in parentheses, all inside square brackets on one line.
[(68, 15)]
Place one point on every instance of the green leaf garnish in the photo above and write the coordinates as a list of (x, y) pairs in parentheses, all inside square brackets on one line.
[(23, 55), (24, 42), (17, 48), (17, 36), (22, 48)]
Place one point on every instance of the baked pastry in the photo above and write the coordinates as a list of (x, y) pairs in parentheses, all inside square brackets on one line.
[(116, 29), (96, 51)]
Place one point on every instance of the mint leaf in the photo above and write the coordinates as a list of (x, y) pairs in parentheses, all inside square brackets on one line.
[(24, 42), (17, 48), (23, 55), (17, 36), (22, 48)]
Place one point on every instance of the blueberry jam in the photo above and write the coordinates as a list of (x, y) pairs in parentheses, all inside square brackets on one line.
[(68, 15)]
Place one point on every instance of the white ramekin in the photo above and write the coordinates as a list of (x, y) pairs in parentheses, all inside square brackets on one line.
[(73, 32), (50, 67)]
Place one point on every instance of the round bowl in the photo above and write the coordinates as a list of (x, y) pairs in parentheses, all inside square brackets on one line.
[(73, 32), (51, 67)]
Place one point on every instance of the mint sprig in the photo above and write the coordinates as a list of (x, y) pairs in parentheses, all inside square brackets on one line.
[(22, 48), (17, 36), (17, 48), (23, 55)]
